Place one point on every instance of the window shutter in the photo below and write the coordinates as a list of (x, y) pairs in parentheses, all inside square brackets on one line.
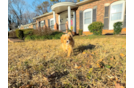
[(94, 14), (44, 22), (39, 24), (106, 18), (81, 19), (124, 23), (48, 22)]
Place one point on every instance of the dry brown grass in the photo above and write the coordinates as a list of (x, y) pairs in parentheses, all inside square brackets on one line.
[(96, 63)]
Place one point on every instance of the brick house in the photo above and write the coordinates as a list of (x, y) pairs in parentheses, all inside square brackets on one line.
[(79, 15), (31, 25)]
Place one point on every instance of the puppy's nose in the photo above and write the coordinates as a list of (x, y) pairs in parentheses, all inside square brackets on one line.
[(67, 41)]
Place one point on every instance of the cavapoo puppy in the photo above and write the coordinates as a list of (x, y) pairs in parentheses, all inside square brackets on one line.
[(67, 43)]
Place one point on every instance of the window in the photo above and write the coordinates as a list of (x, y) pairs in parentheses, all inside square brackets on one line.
[(34, 26), (52, 24), (87, 17), (42, 23), (116, 12)]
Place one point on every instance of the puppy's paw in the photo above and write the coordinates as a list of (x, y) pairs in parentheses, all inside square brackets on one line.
[(68, 56)]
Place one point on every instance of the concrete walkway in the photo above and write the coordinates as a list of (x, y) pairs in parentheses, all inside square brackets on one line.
[(15, 40)]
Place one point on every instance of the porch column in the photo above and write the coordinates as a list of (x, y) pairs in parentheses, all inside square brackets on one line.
[(69, 17), (59, 22), (54, 17), (74, 21)]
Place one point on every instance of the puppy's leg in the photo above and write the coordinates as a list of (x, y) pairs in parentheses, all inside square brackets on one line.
[(70, 50)]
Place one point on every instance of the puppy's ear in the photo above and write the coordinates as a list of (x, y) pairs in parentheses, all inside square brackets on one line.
[(69, 33), (61, 38)]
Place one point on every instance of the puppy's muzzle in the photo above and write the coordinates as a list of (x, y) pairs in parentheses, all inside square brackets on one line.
[(68, 41)]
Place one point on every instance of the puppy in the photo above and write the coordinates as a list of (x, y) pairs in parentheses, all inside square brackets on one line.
[(67, 43)]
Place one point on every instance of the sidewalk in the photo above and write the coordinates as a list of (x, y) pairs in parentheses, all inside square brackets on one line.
[(15, 40)]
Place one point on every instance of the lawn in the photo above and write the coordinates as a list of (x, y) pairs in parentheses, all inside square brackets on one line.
[(97, 62)]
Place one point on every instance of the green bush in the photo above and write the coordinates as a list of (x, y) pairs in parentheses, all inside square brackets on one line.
[(17, 32), (80, 31), (21, 34), (117, 27), (31, 37), (12, 34), (54, 35), (28, 31), (96, 28), (70, 31)]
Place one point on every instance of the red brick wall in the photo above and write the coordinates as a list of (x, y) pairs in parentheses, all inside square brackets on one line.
[(46, 19), (100, 10)]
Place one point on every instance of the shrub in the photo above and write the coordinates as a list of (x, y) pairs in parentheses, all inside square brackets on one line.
[(21, 34), (28, 31), (96, 28), (54, 35), (31, 37), (42, 31), (80, 31), (70, 31), (117, 27), (12, 34)]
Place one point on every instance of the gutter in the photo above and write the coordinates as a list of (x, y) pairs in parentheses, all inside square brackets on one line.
[(85, 2), (43, 15), (77, 4)]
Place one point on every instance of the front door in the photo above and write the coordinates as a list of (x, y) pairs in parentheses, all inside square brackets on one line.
[(87, 19)]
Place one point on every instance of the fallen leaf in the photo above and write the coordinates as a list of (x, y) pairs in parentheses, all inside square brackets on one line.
[(40, 85), (117, 85), (90, 70), (104, 51), (75, 66), (45, 78), (90, 56), (25, 86), (100, 60), (78, 67), (112, 58), (111, 77), (100, 64), (84, 53), (123, 46), (122, 55)]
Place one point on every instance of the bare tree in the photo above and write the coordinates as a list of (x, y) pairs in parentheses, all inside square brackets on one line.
[(28, 17), (19, 13), (40, 6), (15, 11)]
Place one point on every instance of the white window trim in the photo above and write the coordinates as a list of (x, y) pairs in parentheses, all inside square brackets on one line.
[(123, 12), (51, 20), (42, 22), (34, 26), (90, 9)]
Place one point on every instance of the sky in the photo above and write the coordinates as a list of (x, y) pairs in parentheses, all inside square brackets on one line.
[(29, 3)]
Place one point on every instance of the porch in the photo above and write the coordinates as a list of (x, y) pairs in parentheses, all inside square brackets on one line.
[(66, 16)]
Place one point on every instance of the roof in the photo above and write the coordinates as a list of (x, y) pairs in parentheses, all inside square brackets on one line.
[(77, 4), (43, 15), (29, 24)]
